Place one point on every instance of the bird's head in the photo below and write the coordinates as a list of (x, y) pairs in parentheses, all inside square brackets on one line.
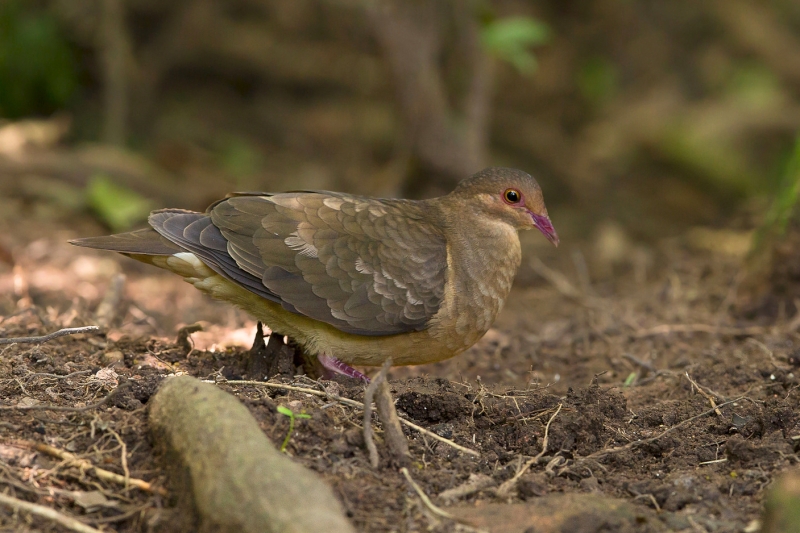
[(510, 195)]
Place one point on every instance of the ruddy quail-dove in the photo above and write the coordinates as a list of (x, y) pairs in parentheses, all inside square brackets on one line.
[(355, 280)]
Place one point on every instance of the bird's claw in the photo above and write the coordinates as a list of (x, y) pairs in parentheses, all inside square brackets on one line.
[(337, 367)]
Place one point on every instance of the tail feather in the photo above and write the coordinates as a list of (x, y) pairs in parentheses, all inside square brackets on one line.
[(141, 242)]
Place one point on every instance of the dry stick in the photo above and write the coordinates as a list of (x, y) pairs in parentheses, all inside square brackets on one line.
[(650, 497), (704, 393), (393, 434), (84, 464), (561, 283), (424, 497), (558, 280), (56, 376), (124, 457), (506, 487), (368, 395), (47, 513), (346, 401), (109, 306), (475, 483), (644, 364), (630, 445), (63, 409), (49, 336), (666, 329)]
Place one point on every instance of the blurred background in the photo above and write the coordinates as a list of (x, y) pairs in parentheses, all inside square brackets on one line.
[(653, 114), (642, 120)]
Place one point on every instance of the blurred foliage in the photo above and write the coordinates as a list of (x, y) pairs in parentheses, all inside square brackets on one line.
[(784, 206), (38, 70), (597, 81), (511, 38), (239, 158), (120, 208), (661, 115), (755, 86), (710, 162)]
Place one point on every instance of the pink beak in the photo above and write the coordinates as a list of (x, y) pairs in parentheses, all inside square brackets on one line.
[(546, 227)]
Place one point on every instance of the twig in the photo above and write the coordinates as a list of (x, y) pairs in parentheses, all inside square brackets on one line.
[(644, 364), (124, 454), (558, 280), (632, 444), (475, 483), (120, 517), (424, 497), (109, 306), (508, 485), (84, 464), (561, 283), (704, 393), (49, 336), (763, 347), (368, 396), (649, 496), (435, 436), (56, 376), (47, 513), (346, 401), (666, 329), (63, 409), (393, 434), (723, 460)]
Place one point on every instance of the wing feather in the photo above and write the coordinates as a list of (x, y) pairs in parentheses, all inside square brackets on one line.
[(365, 266)]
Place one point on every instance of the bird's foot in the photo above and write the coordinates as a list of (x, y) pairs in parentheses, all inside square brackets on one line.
[(334, 366)]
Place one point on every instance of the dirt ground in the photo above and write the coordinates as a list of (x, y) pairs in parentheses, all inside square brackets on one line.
[(655, 394)]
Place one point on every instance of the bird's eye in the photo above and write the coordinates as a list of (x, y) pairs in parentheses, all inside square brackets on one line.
[(512, 196)]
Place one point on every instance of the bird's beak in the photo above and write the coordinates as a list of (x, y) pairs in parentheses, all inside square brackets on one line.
[(546, 227)]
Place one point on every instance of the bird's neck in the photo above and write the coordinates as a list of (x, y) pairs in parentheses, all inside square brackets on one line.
[(483, 258), (486, 254)]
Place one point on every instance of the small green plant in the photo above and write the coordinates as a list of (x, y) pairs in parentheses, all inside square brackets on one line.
[(630, 380), (786, 199), (292, 416)]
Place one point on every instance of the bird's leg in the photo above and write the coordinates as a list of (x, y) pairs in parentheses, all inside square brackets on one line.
[(337, 367)]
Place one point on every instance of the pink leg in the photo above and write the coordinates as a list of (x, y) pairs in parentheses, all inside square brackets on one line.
[(337, 367)]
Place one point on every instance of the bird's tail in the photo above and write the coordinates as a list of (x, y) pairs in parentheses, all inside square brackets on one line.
[(141, 242), (144, 244), (148, 246)]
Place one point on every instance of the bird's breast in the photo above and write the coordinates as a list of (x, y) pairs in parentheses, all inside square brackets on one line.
[(481, 270)]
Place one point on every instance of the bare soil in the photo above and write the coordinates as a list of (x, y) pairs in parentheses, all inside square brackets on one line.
[(667, 402)]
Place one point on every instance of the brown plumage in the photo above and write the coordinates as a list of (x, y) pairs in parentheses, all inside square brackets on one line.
[(352, 279)]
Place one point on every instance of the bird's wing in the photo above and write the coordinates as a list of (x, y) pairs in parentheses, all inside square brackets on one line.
[(365, 266), (371, 267)]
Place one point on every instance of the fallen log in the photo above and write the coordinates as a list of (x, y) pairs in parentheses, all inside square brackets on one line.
[(230, 475)]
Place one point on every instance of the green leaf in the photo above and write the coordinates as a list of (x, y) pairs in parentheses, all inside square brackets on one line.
[(510, 38), (285, 411), (785, 202), (117, 206), (303, 415)]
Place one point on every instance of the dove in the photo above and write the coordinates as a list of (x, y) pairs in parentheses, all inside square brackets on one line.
[(354, 280)]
